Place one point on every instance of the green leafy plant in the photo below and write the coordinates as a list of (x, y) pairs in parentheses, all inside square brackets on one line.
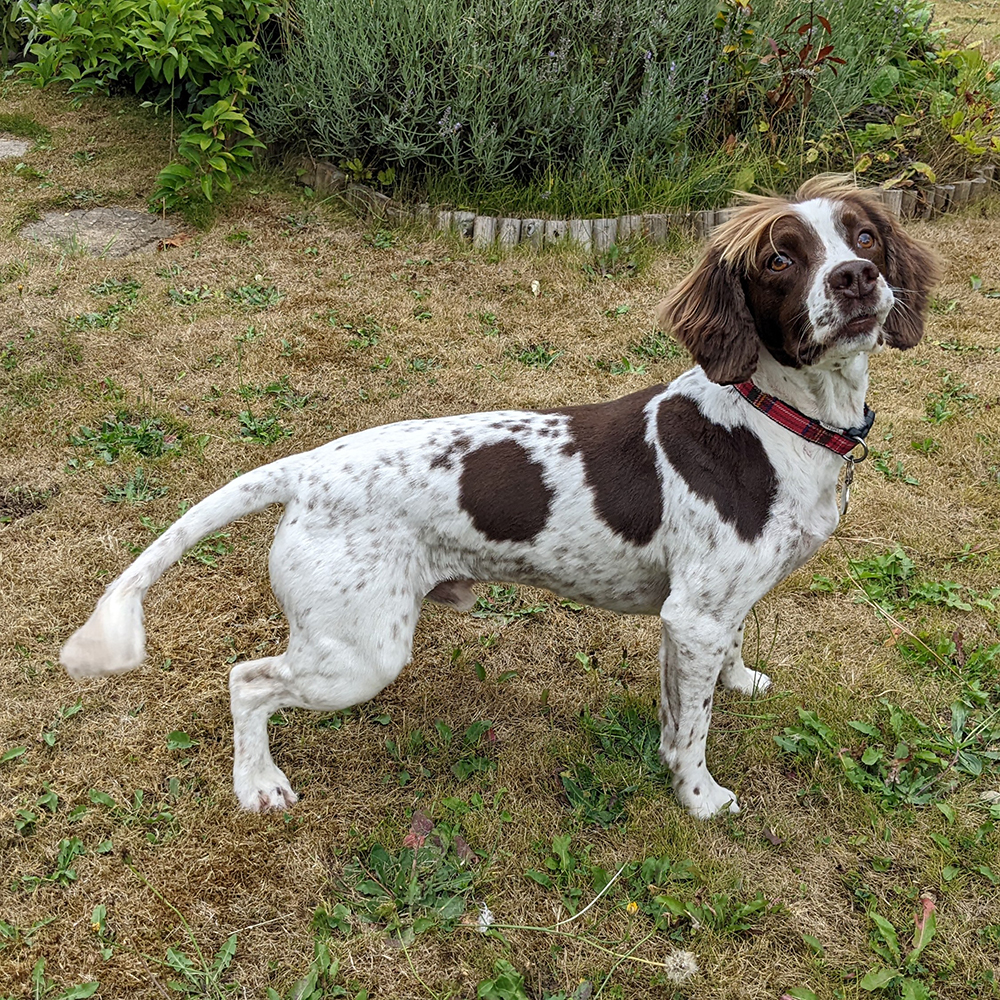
[(199, 977), (124, 432), (506, 984), (900, 972), (425, 885), (503, 604), (138, 488), (44, 988), (195, 53), (904, 761)]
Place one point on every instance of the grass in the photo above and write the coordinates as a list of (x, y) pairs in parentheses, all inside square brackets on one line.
[(526, 730)]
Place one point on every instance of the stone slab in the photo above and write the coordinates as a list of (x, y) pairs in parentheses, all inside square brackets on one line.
[(110, 232), (11, 147)]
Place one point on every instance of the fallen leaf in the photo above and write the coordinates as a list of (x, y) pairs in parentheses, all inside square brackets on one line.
[(178, 239), (771, 837), (464, 852), (420, 827)]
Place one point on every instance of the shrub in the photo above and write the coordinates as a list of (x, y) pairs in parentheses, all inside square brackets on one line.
[(607, 101), (196, 55)]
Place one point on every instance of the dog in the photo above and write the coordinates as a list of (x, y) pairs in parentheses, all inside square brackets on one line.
[(683, 501)]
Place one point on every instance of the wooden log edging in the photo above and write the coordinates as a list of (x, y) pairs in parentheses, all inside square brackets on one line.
[(599, 235)]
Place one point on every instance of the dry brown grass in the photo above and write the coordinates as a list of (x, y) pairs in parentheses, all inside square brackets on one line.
[(223, 871)]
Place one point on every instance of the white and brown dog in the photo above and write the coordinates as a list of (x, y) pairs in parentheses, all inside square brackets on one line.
[(682, 501)]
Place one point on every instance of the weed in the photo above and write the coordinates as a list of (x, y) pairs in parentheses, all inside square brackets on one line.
[(44, 988), (591, 800), (207, 552), (382, 239), (264, 430), (26, 819), (365, 336), (9, 357), (62, 875), (656, 346), (281, 394), (900, 972), (542, 355), (625, 366), (138, 488), (51, 735), (905, 761), (926, 446), (626, 731), (126, 289), (200, 978), (255, 296), (882, 462), (425, 885), (504, 605), (567, 872), (889, 581), (156, 820), (506, 984), (124, 432), (319, 983), (423, 364), (952, 399), (181, 296)]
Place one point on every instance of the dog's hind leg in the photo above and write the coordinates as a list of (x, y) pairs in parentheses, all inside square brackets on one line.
[(257, 688), (339, 655), (691, 656), (736, 675)]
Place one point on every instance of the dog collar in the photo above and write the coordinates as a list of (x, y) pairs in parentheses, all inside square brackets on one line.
[(841, 441)]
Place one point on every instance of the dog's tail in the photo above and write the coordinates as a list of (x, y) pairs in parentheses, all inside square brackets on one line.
[(113, 638)]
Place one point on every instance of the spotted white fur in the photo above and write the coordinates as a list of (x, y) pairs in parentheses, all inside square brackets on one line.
[(376, 521)]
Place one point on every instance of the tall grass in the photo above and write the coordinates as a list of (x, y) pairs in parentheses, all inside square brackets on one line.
[(592, 101)]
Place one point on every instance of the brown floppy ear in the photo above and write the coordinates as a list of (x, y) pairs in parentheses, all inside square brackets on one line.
[(707, 312), (912, 269)]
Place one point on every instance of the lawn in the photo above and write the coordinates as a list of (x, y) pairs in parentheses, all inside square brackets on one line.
[(513, 764)]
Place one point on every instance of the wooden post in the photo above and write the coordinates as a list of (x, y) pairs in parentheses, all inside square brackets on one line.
[(581, 232), (604, 234), (532, 231), (484, 231), (555, 231), (508, 232)]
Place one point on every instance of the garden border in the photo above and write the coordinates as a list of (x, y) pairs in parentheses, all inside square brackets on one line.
[(598, 235)]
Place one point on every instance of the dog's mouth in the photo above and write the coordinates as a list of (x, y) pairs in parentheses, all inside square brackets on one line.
[(859, 325)]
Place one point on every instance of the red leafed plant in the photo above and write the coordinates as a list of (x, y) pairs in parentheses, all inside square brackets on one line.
[(800, 60)]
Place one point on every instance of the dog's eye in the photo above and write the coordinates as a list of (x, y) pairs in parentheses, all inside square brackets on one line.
[(779, 262), (866, 241)]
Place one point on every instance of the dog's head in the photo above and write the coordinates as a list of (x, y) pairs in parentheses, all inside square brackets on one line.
[(823, 275)]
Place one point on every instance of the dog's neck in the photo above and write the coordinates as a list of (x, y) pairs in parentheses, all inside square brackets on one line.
[(832, 393)]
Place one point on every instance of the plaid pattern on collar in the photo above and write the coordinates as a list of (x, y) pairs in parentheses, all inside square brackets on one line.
[(843, 442)]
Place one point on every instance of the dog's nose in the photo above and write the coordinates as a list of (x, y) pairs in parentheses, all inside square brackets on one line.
[(854, 279)]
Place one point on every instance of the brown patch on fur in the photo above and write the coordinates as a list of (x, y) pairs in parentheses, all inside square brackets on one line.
[(619, 464), (911, 268), (455, 593), (728, 468), (707, 312), (503, 492)]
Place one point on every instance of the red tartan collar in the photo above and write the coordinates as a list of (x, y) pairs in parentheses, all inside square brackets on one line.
[(843, 442)]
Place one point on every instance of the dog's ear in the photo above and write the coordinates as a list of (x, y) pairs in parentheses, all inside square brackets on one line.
[(707, 312), (912, 269)]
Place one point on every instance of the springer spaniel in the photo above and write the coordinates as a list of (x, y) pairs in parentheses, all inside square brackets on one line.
[(683, 501)]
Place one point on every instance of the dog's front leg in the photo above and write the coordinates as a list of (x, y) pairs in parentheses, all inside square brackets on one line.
[(691, 657), (736, 675)]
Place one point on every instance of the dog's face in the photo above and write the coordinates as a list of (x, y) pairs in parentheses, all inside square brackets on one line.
[(815, 280)]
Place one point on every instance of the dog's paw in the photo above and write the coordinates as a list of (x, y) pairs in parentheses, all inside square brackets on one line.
[(745, 681), (707, 798), (267, 790)]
